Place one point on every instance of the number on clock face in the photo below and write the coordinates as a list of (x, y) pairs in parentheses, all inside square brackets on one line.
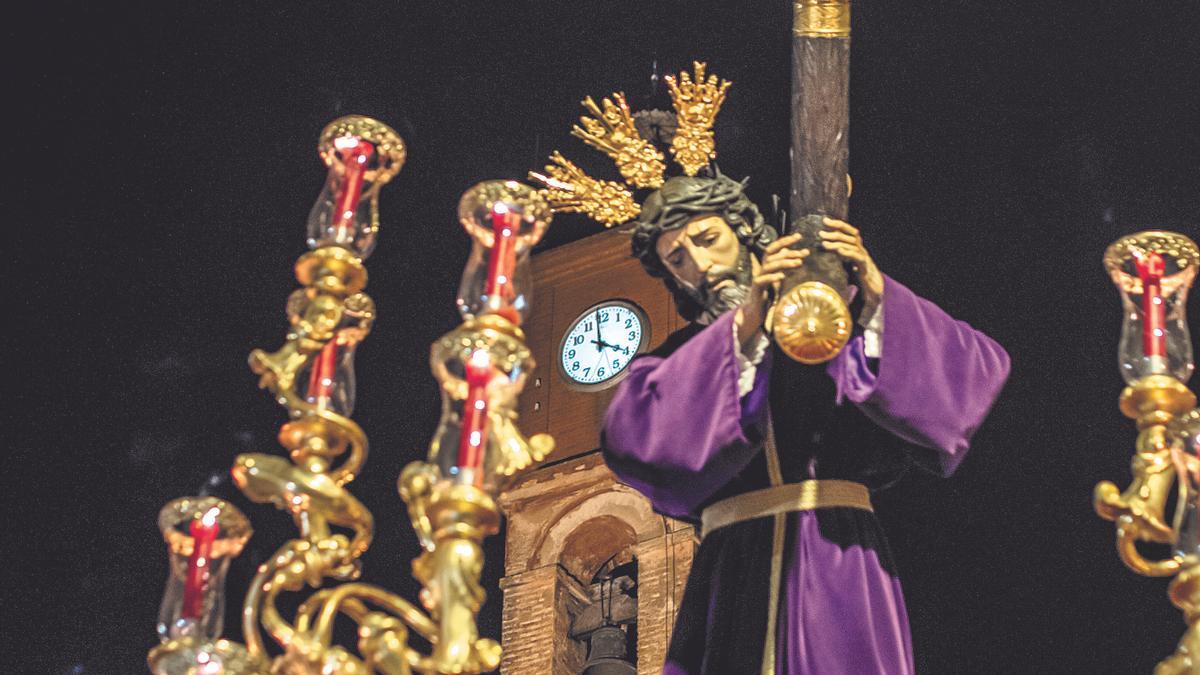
[(601, 343)]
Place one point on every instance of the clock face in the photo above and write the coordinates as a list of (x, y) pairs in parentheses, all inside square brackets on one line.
[(601, 342)]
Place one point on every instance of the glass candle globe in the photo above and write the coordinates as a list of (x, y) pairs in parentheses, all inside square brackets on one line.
[(505, 220), (328, 380), (203, 534), (1153, 271), (481, 371), (362, 155)]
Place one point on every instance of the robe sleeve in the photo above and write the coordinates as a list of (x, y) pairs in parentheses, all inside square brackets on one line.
[(676, 429), (934, 382)]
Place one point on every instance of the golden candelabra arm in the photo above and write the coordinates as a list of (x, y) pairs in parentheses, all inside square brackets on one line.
[(1153, 401), (1139, 511), (484, 362), (1153, 271), (1185, 594), (461, 516)]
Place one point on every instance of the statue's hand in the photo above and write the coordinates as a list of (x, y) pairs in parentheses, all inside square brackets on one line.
[(777, 260), (845, 240)]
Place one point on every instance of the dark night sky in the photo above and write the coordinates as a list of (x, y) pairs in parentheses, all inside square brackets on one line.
[(162, 163)]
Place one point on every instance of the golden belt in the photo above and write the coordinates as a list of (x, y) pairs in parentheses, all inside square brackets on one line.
[(778, 501), (803, 496)]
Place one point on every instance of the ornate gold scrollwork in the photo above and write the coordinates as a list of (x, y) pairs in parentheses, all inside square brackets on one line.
[(331, 307), (1155, 402), (327, 318), (569, 189), (697, 102), (821, 18), (611, 130), (1185, 594), (333, 280), (1139, 510), (461, 516), (450, 520)]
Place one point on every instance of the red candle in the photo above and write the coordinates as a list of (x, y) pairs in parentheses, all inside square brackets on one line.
[(320, 379), (204, 533), (473, 437), (355, 154), (1154, 324), (503, 262)]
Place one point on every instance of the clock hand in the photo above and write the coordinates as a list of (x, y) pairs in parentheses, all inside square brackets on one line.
[(599, 341)]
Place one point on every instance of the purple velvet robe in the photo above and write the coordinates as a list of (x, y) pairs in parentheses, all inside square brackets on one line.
[(678, 432)]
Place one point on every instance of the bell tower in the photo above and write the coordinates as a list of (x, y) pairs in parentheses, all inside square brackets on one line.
[(592, 576)]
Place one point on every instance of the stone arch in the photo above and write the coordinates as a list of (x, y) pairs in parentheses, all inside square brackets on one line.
[(617, 519)]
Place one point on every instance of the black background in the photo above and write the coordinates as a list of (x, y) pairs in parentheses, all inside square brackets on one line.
[(161, 164)]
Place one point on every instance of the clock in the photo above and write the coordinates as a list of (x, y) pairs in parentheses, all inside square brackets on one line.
[(600, 343)]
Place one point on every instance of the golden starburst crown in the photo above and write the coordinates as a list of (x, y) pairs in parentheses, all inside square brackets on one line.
[(696, 105), (610, 128)]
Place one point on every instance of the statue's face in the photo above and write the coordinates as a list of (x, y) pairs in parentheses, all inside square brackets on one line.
[(708, 262)]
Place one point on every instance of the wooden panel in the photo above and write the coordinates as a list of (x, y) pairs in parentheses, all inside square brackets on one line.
[(531, 406), (568, 280)]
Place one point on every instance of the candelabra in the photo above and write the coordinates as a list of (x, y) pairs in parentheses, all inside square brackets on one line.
[(1153, 271), (481, 366)]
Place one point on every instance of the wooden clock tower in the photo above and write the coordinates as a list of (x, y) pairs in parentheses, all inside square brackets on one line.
[(585, 553)]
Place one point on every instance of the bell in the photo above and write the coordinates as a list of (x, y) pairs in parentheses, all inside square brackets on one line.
[(606, 653)]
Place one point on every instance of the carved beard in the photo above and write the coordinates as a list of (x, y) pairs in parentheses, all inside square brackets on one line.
[(714, 303)]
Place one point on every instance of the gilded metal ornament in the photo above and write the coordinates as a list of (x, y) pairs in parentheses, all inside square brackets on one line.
[(331, 308), (810, 322), (451, 522), (1185, 594), (821, 18), (390, 147), (1138, 510), (697, 102), (569, 190), (330, 303), (1155, 402), (235, 528), (1163, 408), (478, 203), (611, 130), (1179, 252), (179, 657), (311, 488), (329, 315)]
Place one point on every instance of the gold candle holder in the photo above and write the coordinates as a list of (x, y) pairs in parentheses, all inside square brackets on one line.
[(311, 376), (1153, 270)]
